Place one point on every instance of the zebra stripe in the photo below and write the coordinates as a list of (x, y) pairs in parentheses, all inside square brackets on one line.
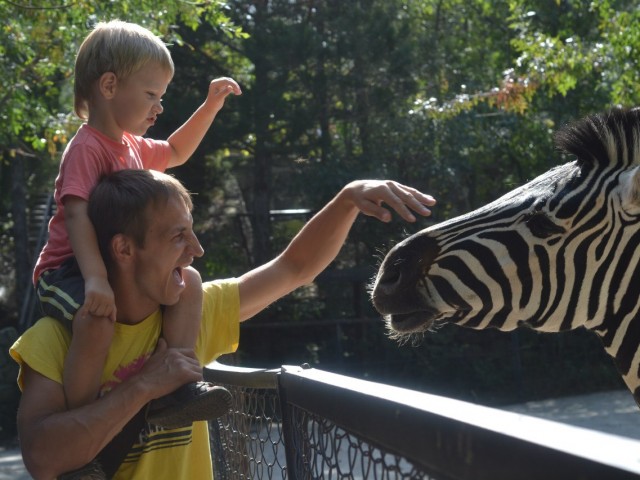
[(558, 253)]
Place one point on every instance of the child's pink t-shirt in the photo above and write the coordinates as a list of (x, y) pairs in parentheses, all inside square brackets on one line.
[(89, 156)]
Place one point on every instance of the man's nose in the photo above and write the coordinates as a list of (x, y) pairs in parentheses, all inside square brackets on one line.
[(195, 247)]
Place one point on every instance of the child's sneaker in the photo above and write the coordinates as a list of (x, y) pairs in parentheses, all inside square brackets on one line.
[(91, 471), (190, 403)]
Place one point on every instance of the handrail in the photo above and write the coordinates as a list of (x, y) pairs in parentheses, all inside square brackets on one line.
[(449, 438), (298, 422), (217, 372)]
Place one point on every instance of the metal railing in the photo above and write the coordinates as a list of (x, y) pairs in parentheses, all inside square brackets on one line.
[(301, 423), (247, 443), (42, 213)]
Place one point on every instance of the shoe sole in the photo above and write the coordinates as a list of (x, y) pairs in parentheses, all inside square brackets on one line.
[(207, 406), (91, 471)]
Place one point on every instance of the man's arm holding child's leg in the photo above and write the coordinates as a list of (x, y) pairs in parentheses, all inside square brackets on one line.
[(55, 440)]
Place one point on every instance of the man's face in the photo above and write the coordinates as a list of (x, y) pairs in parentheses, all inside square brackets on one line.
[(170, 246)]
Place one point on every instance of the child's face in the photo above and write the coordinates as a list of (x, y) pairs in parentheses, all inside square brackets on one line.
[(138, 98)]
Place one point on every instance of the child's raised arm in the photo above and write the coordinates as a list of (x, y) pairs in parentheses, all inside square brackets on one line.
[(186, 139)]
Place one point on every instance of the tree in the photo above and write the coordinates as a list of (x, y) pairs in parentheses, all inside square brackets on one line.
[(39, 41)]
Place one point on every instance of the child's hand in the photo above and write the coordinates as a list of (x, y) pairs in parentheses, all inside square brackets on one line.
[(369, 195), (219, 89), (98, 299)]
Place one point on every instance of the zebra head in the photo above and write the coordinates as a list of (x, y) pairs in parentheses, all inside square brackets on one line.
[(558, 253)]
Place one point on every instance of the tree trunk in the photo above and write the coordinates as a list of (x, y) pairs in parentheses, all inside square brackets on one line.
[(260, 218), (20, 229)]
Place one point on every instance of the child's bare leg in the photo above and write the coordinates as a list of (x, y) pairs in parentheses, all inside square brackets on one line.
[(195, 401), (181, 322), (85, 360)]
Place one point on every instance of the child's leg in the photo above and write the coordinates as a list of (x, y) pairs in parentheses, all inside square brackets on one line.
[(85, 360), (195, 401), (181, 322), (61, 294)]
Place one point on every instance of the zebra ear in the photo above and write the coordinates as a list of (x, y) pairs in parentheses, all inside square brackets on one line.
[(631, 188)]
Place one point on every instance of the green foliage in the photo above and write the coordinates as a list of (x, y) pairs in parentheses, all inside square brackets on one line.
[(565, 46), (37, 55), (458, 98), (39, 40)]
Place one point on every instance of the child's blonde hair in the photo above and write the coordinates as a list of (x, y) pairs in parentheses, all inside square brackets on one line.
[(118, 47)]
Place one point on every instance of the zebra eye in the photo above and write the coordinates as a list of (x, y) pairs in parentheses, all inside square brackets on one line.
[(542, 226)]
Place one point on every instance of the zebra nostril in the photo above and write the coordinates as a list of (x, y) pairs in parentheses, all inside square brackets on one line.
[(389, 280), (396, 287)]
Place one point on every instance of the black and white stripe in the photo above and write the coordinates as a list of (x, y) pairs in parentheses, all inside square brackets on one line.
[(558, 253)]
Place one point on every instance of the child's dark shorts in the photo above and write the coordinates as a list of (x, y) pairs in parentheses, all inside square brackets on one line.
[(61, 291)]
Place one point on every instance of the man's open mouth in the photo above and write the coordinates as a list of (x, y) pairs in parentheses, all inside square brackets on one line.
[(177, 275)]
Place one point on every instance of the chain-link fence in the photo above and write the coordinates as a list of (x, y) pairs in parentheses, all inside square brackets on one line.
[(324, 450), (305, 424), (247, 443)]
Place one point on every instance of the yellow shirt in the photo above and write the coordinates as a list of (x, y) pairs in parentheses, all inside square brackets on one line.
[(172, 454)]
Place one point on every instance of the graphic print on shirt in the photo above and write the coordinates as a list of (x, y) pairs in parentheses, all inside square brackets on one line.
[(151, 437), (123, 372)]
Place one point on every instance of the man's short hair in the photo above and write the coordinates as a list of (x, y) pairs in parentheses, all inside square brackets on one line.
[(122, 203), (118, 47)]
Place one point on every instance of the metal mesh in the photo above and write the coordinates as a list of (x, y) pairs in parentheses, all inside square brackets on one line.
[(247, 442), (323, 450), (338, 427)]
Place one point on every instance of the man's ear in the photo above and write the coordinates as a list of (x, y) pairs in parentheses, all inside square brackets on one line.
[(107, 84), (121, 248)]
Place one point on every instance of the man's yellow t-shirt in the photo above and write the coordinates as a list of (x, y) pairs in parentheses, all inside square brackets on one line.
[(172, 454)]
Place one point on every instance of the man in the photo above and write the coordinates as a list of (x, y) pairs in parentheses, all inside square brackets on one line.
[(144, 227)]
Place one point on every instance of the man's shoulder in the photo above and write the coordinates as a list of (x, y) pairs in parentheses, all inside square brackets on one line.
[(43, 347), (220, 285), (47, 329), (221, 291), (220, 327), (221, 297)]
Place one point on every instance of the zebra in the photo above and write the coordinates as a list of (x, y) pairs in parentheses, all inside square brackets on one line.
[(558, 253)]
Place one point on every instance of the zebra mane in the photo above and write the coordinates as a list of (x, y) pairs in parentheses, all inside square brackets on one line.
[(603, 139)]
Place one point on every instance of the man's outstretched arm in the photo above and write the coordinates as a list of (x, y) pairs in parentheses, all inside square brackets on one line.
[(321, 239)]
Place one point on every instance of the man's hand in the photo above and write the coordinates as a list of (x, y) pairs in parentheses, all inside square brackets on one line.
[(169, 368), (369, 196)]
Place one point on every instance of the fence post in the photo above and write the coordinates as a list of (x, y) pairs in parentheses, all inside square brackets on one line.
[(296, 448)]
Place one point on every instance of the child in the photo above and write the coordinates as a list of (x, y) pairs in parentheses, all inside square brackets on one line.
[(122, 71)]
